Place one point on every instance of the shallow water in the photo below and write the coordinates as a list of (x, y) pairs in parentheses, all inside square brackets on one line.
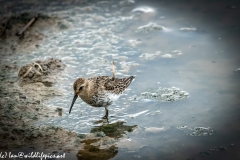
[(195, 51)]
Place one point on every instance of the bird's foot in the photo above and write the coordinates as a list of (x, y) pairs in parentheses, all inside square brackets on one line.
[(105, 118)]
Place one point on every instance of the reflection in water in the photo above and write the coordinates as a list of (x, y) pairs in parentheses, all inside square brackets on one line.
[(91, 152), (104, 147), (114, 130)]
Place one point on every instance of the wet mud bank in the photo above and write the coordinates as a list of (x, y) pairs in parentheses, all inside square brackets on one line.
[(24, 88), (21, 106)]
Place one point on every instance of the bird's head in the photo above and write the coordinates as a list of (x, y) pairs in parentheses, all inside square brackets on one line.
[(78, 87)]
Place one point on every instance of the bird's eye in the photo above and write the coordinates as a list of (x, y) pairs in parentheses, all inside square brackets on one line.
[(81, 88)]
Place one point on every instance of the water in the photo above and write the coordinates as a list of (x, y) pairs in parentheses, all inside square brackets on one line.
[(196, 50)]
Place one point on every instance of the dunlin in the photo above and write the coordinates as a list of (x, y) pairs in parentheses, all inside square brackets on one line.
[(100, 91)]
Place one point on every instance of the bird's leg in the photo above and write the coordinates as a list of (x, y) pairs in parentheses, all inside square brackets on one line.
[(113, 71), (106, 113)]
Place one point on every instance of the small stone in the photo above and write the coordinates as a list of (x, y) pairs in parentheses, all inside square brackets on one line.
[(30, 75), (22, 96), (58, 110)]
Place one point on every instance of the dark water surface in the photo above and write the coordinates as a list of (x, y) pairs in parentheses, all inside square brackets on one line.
[(206, 35)]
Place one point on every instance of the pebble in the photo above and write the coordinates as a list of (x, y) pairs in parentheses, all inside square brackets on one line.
[(22, 96)]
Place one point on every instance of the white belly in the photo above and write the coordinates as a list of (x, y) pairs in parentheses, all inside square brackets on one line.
[(112, 97), (104, 100)]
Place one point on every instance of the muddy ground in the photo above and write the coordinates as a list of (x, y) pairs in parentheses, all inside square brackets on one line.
[(24, 88)]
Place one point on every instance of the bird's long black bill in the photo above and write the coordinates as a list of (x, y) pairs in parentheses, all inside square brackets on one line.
[(73, 101)]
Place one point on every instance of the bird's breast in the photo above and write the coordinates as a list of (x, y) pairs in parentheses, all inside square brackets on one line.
[(103, 99)]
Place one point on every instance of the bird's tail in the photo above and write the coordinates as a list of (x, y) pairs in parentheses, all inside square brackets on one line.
[(129, 80)]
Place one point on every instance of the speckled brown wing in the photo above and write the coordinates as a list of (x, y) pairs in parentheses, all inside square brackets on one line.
[(109, 85), (116, 85)]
